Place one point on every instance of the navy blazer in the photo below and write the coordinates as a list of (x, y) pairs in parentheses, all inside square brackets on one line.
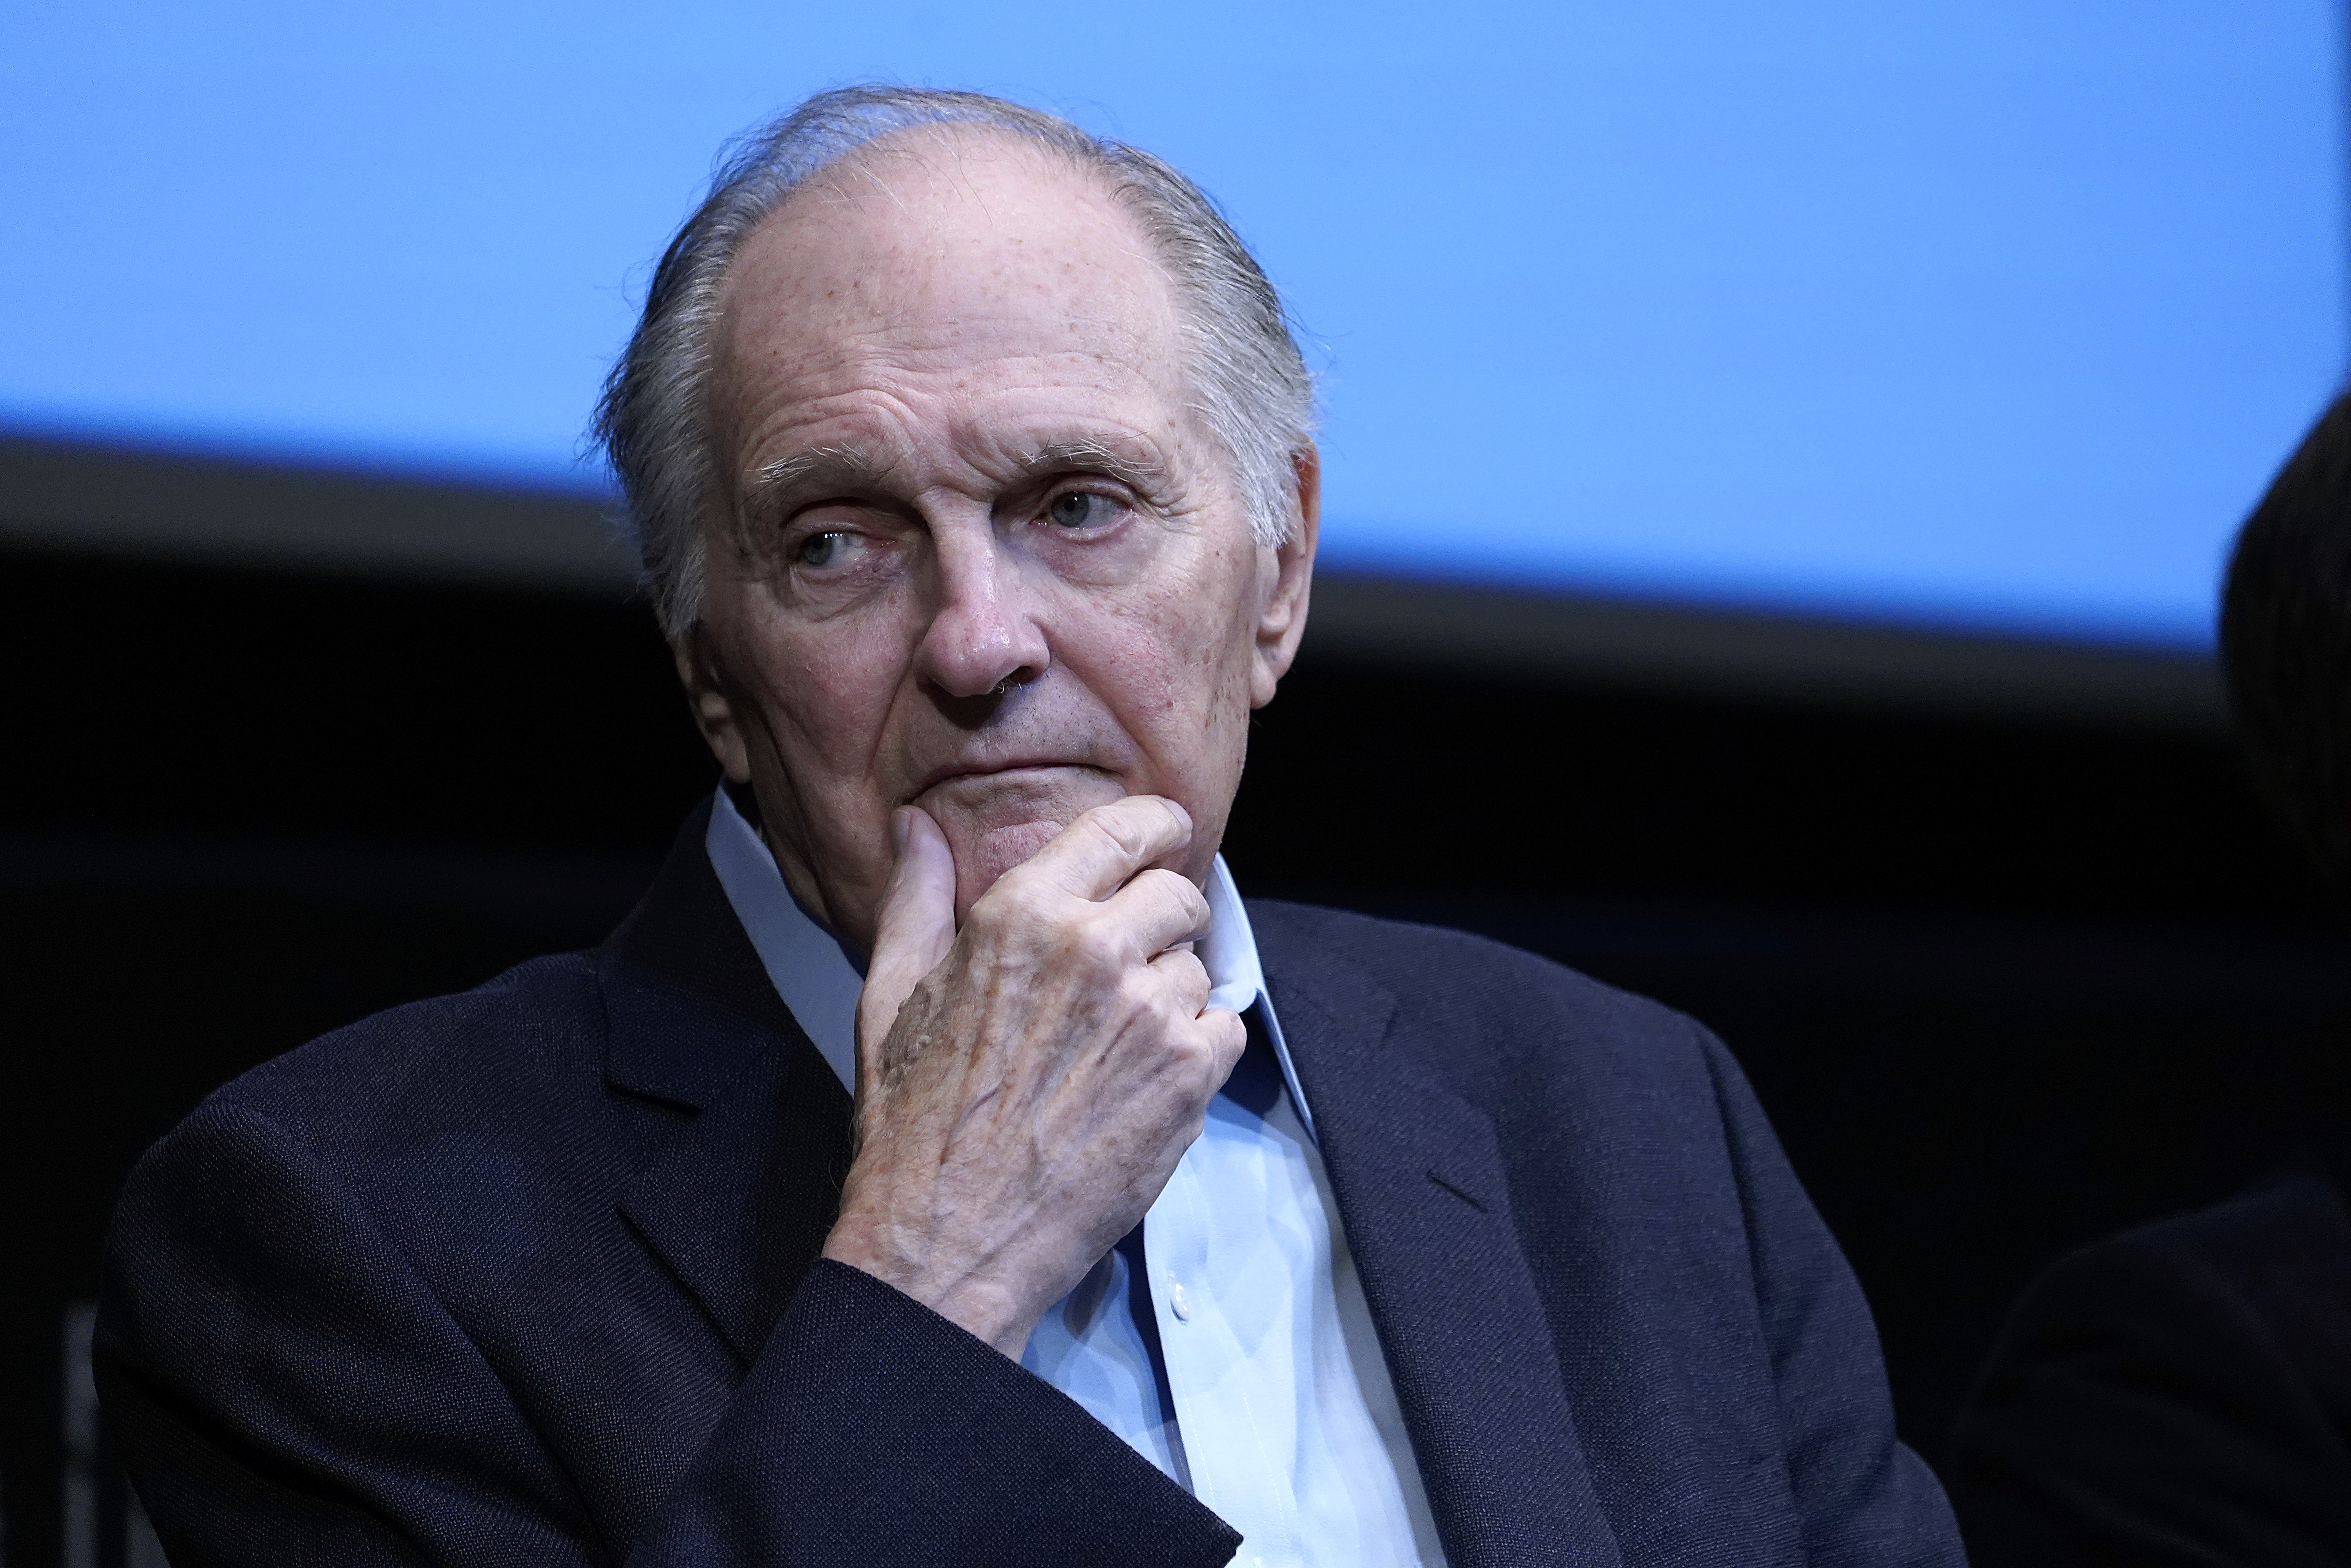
[(530, 1275)]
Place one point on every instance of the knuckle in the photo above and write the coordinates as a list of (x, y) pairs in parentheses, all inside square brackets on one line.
[(1186, 1048), (1018, 886), (1174, 885), (1116, 827), (1201, 1056), (1174, 891), (990, 908), (1018, 898), (1093, 944), (1107, 946)]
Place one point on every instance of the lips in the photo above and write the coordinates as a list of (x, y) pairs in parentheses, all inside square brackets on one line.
[(952, 772)]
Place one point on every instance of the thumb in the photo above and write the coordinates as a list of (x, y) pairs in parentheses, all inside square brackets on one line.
[(911, 934)]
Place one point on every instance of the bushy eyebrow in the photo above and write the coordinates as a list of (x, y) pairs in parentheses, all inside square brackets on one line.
[(1128, 465), (779, 487)]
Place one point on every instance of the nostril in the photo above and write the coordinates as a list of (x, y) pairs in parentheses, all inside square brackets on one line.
[(1020, 677)]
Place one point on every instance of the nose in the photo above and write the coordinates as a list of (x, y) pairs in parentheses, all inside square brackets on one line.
[(983, 636)]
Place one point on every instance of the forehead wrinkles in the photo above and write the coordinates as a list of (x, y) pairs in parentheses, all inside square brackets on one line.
[(882, 288), (924, 239), (992, 417)]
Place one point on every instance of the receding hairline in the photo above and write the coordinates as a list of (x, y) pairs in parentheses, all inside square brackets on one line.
[(752, 487), (851, 180), (926, 142), (1237, 349)]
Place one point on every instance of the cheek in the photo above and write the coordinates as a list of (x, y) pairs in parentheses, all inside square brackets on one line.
[(1209, 639), (826, 691), (1182, 676)]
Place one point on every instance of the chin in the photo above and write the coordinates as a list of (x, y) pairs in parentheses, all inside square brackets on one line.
[(995, 821), (980, 859)]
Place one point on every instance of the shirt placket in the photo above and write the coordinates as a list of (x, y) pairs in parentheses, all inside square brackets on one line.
[(1216, 1389)]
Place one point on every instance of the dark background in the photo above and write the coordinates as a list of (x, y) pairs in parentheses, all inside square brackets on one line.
[(2003, 986)]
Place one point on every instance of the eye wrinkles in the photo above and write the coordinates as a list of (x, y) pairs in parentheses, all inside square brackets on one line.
[(782, 487), (850, 475), (1131, 467), (841, 523)]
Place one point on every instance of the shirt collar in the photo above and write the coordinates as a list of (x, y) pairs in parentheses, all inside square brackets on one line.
[(820, 980), (817, 979)]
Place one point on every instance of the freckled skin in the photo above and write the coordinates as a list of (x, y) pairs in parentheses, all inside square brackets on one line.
[(944, 303)]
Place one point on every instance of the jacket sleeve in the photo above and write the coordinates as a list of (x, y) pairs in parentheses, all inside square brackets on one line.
[(285, 1389), (1865, 1499), (2139, 1410)]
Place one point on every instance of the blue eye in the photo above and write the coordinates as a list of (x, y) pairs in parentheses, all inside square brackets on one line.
[(1078, 509), (822, 550)]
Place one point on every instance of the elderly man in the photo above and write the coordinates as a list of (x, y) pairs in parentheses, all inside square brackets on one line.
[(943, 1164)]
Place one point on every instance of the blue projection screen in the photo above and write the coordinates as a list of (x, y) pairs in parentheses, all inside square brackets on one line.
[(1972, 312)]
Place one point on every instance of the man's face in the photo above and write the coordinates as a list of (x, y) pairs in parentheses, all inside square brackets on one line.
[(980, 555)]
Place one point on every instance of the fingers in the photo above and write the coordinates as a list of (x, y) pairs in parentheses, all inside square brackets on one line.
[(1159, 910), (1231, 1042), (1226, 1036), (915, 928), (1095, 855), (1186, 979)]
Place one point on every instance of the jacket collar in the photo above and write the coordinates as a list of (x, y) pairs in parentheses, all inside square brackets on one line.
[(683, 938), (1424, 1193), (738, 1204)]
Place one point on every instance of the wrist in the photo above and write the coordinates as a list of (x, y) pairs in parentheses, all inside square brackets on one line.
[(972, 1302)]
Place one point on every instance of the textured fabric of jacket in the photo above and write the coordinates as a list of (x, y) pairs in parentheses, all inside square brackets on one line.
[(2178, 1394), (530, 1275)]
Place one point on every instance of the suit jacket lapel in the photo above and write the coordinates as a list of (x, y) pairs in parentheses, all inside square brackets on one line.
[(739, 1202), (1422, 1191)]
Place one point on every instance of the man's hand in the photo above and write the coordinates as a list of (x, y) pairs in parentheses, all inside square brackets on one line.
[(1025, 1086)]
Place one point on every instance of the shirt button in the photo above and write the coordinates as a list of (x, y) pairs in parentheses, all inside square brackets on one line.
[(1180, 1302)]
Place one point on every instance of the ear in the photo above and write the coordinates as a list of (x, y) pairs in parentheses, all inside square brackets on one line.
[(711, 695), (1283, 620)]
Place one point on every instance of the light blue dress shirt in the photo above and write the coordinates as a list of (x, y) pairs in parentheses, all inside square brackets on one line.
[(1241, 1359)]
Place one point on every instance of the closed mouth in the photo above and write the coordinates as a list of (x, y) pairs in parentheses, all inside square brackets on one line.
[(951, 773)]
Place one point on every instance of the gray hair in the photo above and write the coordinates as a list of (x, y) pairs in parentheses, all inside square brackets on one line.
[(1254, 392)]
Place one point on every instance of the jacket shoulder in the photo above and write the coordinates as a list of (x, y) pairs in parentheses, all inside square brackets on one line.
[(507, 1048), (2175, 1391), (1435, 965), (2278, 1256), (1496, 1023)]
